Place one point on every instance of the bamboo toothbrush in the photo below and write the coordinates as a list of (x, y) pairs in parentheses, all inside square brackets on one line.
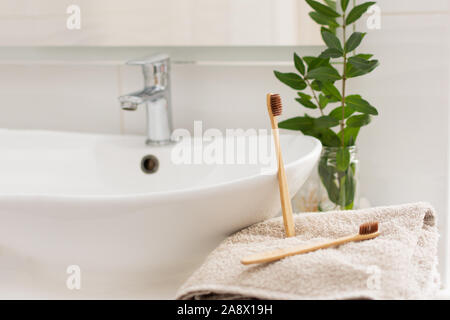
[(366, 231), (274, 108)]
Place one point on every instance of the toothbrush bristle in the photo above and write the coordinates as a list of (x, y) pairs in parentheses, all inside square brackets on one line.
[(368, 228), (275, 104)]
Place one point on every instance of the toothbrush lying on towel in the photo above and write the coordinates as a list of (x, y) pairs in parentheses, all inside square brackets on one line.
[(274, 107), (366, 231)]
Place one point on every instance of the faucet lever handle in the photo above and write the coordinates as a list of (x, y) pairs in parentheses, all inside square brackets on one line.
[(155, 60), (153, 66)]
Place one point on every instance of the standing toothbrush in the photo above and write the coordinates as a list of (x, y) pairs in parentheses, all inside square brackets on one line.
[(274, 107)]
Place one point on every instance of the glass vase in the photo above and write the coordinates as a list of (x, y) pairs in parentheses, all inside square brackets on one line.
[(338, 179)]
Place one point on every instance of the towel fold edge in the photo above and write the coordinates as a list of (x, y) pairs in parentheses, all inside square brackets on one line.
[(251, 293)]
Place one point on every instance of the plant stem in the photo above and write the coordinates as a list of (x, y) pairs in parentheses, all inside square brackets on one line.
[(314, 95), (344, 78)]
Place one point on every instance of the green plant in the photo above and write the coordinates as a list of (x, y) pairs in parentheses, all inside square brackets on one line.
[(339, 127)]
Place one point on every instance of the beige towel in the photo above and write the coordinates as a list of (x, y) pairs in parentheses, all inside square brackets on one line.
[(399, 264)]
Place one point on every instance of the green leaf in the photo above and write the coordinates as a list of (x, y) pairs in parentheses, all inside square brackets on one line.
[(323, 20), (326, 174), (337, 112), (358, 121), (325, 135), (316, 62), (331, 53), (306, 103), (316, 85), (364, 56), (359, 104), (352, 72), (350, 187), (331, 29), (328, 138), (360, 63), (306, 125), (344, 4), (308, 60), (357, 66), (330, 90), (331, 99), (342, 159), (324, 74), (350, 135), (346, 188), (304, 95), (319, 62), (297, 123), (323, 9), (331, 40), (299, 65), (357, 12), (293, 80), (354, 41), (323, 101), (325, 122), (331, 4)]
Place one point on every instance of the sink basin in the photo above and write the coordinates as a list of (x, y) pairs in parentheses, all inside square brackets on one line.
[(83, 199)]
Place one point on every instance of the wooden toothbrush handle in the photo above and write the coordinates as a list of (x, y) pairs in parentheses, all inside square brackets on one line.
[(282, 253), (286, 205)]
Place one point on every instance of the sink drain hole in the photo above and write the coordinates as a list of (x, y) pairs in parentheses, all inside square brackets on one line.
[(149, 164)]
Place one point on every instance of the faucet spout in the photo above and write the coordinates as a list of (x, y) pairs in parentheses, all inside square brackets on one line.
[(155, 96), (132, 100)]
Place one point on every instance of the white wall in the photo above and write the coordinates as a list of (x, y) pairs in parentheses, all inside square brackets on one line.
[(157, 22), (404, 152)]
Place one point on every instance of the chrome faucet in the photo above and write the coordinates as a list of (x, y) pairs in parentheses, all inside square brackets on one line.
[(155, 96)]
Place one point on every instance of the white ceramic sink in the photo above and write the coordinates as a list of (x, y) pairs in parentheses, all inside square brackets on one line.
[(82, 199)]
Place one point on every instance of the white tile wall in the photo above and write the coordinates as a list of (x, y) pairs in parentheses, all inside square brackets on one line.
[(156, 22), (59, 97), (410, 6), (404, 153)]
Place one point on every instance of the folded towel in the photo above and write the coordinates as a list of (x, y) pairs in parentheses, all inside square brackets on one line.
[(399, 264)]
